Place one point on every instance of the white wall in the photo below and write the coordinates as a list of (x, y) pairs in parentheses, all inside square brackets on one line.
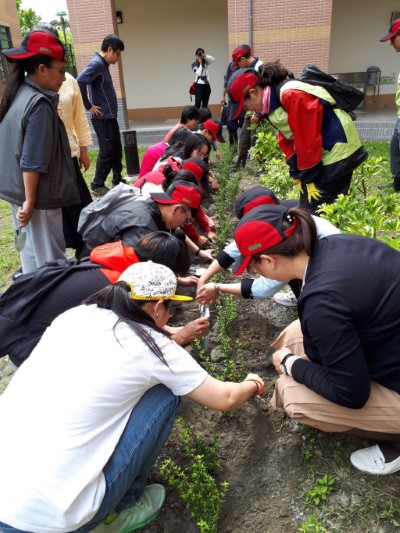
[(160, 41), (357, 26)]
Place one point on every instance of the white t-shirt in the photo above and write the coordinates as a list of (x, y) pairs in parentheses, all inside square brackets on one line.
[(65, 410)]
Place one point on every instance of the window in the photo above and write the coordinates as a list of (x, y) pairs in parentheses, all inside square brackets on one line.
[(5, 42)]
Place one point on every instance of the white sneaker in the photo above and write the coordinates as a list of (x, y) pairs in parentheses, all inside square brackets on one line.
[(372, 461), (288, 299)]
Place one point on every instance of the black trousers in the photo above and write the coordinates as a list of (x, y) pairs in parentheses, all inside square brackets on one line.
[(202, 95), (70, 214), (247, 139), (329, 192), (110, 151), (233, 125)]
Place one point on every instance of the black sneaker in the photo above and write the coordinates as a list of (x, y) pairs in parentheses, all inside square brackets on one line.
[(115, 183), (100, 191)]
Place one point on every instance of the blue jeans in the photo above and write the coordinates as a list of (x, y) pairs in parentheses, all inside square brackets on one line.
[(140, 444)]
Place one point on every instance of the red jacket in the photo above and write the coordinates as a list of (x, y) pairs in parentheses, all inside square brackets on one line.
[(115, 257)]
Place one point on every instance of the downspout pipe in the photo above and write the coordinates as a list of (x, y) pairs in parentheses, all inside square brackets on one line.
[(250, 24)]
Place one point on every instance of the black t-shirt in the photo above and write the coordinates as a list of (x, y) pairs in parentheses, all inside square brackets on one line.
[(349, 311)]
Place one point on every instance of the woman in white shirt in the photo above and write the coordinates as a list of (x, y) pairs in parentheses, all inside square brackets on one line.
[(94, 410), (202, 80)]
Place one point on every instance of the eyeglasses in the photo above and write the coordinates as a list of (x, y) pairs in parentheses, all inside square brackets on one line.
[(252, 264), (189, 216), (61, 71), (201, 154), (118, 52)]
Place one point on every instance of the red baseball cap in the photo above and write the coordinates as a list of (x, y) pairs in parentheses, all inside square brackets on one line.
[(180, 192), (215, 129), (199, 168), (260, 230), (393, 31), (240, 51), (37, 42), (254, 197), (239, 85)]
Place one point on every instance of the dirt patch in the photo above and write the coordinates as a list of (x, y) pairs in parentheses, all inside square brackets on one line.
[(259, 451)]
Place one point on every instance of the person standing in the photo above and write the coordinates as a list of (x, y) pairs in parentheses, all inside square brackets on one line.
[(202, 81), (394, 36), (72, 113), (37, 175), (103, 106), (242, 58), (231, 125)]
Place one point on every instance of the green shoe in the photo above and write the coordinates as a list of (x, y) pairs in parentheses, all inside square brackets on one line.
[(141, 513)]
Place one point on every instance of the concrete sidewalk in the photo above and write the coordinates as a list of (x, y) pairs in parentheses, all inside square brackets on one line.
[(372, 125)]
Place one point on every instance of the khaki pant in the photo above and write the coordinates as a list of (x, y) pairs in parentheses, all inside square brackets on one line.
[(379, 418)]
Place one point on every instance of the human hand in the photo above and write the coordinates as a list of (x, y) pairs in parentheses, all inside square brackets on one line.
[(202, 241), (211, 236), (211, 223), (218, 153), (207, 254), (95, 110), (206, 294), (196, 329), (188, 281), (298, 185), (24, 213), (277, 358), (257, 379), (84, 160), (312, 192), (255, 118)]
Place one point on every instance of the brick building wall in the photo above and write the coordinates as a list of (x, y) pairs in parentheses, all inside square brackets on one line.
[(296, 32), (90, 22), (9, 18)]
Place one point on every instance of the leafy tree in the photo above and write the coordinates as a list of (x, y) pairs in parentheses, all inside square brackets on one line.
[(27, 18)]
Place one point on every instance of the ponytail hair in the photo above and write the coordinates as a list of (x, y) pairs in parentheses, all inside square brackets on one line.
[(17, 78), (302, 239), (177, 175), (270, 73)]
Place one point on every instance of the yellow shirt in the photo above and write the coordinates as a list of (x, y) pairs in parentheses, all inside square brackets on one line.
[(72, 113)]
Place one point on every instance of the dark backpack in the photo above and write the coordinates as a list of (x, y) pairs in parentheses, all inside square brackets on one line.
[(345, 95), (105, 219), (27, 292)]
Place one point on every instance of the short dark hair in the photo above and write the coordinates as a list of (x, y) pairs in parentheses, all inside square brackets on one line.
[(190, 112), (114, 41), (204, 114), (164, 248)]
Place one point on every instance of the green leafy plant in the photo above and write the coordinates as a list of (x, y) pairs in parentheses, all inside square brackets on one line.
[(377, 216), (225, 197), (389, 511), (312, 525), (196, 482), (325, 485)]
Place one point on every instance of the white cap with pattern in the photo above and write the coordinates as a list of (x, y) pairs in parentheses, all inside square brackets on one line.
[(152, 281)]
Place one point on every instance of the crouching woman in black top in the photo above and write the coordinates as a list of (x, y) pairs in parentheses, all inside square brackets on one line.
[(340, 366)]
